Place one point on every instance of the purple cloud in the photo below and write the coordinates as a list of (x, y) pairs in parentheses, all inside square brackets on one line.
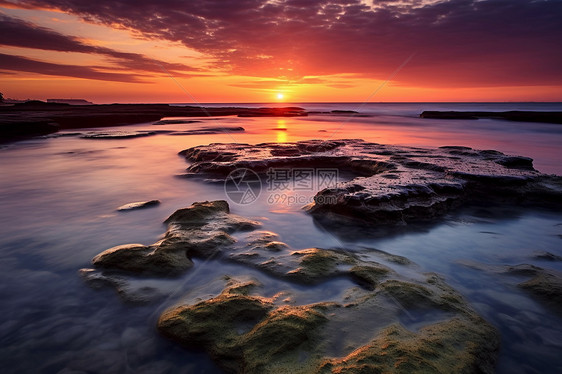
[(457, 42), (18, 63), (19, 33)]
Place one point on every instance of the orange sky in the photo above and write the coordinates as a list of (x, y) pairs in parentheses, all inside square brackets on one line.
[(258, 50)]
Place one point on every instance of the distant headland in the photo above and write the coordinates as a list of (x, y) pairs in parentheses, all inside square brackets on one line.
[(34, 117), (70, 101)]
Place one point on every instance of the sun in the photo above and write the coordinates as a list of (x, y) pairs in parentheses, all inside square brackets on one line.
[(280, 96)]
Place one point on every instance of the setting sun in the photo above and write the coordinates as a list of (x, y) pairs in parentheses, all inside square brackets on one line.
[(280, 96)]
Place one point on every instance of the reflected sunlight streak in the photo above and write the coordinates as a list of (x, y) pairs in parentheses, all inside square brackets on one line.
[(281, 131)]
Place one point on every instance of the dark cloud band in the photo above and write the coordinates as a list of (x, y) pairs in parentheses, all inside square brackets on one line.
[(18, 33), (457, 42)]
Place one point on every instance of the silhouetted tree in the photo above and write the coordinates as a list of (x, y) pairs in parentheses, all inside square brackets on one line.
[(1, 97)]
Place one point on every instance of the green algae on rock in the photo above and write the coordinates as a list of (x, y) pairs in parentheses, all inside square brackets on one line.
[(248, 333), (455, 346), (543, 284), (368, 276), (245, 333), (197, 231), (141, 258)]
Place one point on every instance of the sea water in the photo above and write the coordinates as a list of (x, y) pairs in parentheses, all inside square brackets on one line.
[(59, 197)]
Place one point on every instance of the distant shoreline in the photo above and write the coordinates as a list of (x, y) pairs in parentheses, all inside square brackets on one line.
[(35, 118), (515, 115)]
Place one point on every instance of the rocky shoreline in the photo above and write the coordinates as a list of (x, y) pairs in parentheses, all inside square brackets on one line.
[(39, 118), (518, 116), (392, 185), (33, 118), (245, 329)]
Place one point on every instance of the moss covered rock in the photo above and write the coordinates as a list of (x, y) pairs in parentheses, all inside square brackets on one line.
[(355, 331), (317, 263), (456, 346), (370, 275), (246, 333), (143, 259), (543, 284), (201, 230)]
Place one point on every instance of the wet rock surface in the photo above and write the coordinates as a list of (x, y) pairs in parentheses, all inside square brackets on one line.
[(13, 128), (113, 134), (393, 185), (197, 231), (245, 329), (128, 292), (547, 256), (543, 284), (390, 317), (454, 346), (174, 122), (245, 332), (139, 205), (210, 130)]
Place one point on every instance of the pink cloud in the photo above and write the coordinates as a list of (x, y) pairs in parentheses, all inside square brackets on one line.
[(460, 43)]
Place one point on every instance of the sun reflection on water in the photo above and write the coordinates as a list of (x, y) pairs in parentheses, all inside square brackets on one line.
[(281, 131)]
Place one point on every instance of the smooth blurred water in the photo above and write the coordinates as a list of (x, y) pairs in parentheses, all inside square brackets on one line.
[(59, 195)]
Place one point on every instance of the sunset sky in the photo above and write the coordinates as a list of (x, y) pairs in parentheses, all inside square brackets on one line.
[(281, 50)]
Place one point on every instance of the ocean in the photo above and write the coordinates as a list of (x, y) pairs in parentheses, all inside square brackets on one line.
[(59, 196)]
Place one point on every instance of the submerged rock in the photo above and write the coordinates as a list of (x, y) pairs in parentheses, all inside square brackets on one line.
[(544, 284), (115, 134), (455, 346), (174, 122), (308, 266), (393, 185), (139, 205), (543, 255), (129, 293), (245, 332), (209, 131)]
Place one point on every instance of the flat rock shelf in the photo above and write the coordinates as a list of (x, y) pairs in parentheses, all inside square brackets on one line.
[(245, 329), (393, 185)]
